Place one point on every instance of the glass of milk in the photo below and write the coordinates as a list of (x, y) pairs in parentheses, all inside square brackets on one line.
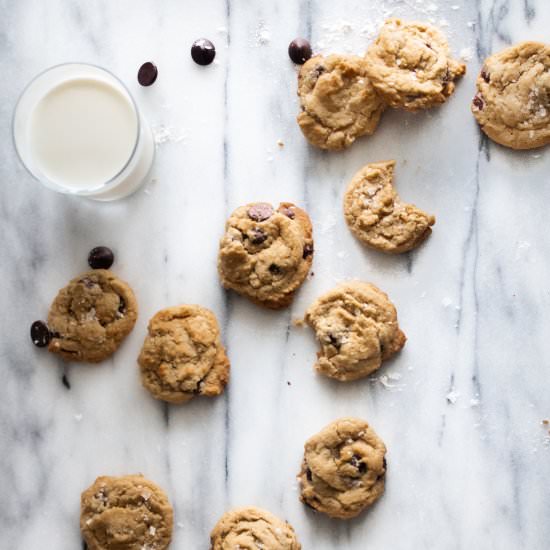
[(78, 131)]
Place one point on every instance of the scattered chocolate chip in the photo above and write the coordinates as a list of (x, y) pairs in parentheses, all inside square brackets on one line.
[(275, 269), (288, 383), (299, 50), (147, 74), (101, 257), (288, 212), (40, 334), (478, 102), (260, 211), (258, 236), (203, 51), (485, 75), (65, 382), (308, 251), (309, 475)]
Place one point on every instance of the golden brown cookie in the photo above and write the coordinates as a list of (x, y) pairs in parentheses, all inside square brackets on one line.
[(410, 65), (125, 513), (344, 468), (91, 316), (512, 105), (338, 102), (356, 325), (250, 529), (182, 355), (376, 215), (265, 254)]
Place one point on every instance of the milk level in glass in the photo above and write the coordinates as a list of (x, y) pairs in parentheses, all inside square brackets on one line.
[(78, 130)]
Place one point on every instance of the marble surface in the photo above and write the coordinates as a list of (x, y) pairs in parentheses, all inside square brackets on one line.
[(460, 408)]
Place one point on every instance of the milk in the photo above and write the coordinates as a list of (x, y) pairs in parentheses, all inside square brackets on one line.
[(78, 131), (82, 133)]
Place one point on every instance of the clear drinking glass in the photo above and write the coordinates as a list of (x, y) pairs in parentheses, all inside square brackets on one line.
[(78, 130)]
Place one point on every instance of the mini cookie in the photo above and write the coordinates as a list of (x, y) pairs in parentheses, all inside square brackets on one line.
[(343, 469), (182, 355), (125, 513), (91, 316), (266, 254), (512, 104), (356, 325), (251, 528), (410, 66), (375, 214), (338, 102)]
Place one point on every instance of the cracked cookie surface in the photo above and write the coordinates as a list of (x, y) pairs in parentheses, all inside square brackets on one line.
[(265, 254), (125, 513), (252, 528), (410, 65), (91, 316), (376, 215), (182, 355), (344, 468), (512, 104), (338, 102), (356, 326)]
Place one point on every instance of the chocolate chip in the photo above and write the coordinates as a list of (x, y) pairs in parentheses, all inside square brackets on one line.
[(357, 462), (299, 50), (288, 212), (203, 51), (308, 250), (485, 75), (478, 102), (385, 463), (334, 341), (101, 257), (147, 74), (40, 334), (65, 382), (309, 475), (275, 269), (257, 236), (260, 211), (319, 70), (121, 305)]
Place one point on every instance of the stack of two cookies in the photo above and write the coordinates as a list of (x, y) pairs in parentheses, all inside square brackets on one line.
[(342, 97)]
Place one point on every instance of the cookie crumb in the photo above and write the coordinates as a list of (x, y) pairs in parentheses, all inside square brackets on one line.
[(298, 322), (452, 397), (280, 143)]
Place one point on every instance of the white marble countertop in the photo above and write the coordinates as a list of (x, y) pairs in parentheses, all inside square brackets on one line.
[(460, 409)]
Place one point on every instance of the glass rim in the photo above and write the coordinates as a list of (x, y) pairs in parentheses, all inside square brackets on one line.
[(45, 180)]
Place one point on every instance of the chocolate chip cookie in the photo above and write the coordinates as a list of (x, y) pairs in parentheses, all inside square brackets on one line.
[(376, 215), (512, 104), (251, 528), (91, 316), (265, 254), (356, 325), (125, 513), (410, 65), (338, 101), (343, 469), (182, 355)]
